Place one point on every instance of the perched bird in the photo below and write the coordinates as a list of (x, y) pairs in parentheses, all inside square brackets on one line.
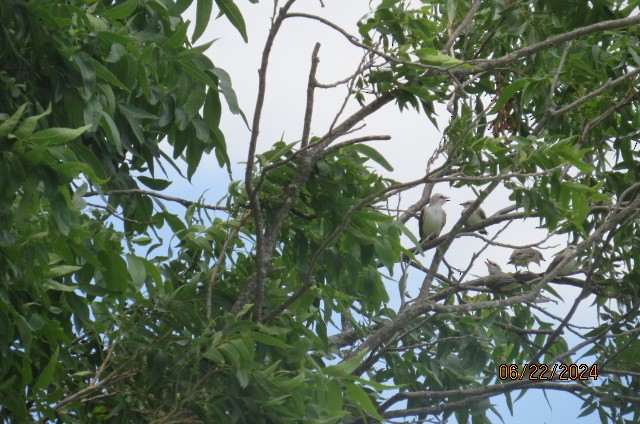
[(523, 257), (493, 267), (498, 280), (433, 217), (567, 268), (476, 217)]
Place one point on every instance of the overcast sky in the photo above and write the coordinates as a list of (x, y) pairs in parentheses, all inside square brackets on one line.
[(413, 141)]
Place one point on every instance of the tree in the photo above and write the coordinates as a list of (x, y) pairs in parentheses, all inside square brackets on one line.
[(235, 324)]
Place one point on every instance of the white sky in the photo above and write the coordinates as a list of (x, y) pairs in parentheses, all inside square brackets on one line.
[(413, 140)]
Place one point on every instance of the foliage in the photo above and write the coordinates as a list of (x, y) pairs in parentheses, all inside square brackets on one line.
[(89, 90), (234, 323)]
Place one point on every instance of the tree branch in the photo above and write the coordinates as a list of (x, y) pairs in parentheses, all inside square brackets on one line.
[(311, 85), (468, 20), (554, 41), (135, 191)]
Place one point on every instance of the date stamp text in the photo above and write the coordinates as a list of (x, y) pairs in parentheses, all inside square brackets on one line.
[(544, 372)]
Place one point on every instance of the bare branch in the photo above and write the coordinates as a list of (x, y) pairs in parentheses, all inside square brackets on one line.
[(346, 143), (470, 396), (135, 191), (262, 87), (554, 41), (586, 98), (352, 81), (354, 40), (311, 85), (117, 215), (466, 22)]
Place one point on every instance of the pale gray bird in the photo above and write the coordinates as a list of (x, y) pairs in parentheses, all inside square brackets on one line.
[(498, 280), (476, 217), (523, 257), (433, 217), (493, 267), (567, 268)]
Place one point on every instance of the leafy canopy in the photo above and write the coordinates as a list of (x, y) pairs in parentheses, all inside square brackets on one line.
[(279, 308)]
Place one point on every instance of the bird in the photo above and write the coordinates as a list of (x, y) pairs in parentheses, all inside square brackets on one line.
[(523, 257), (493, 267), (476, 217), (499, 280), (567, 268), (433, 217)]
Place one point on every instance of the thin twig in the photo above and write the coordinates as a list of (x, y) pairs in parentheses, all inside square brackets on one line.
[(554, 41), (219, 262), (353, 40), (135, 191), (117, 215), (311, 86), (610, 83), (106, 360), (261, 266), (468, 20), (346, 143), (262, 87)]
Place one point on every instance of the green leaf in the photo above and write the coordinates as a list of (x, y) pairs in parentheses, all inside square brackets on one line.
[(87, 71), (60, 270), (231, 353), (158, 367), (433, 57), (269, 340), (136, 270), (86, 254), (347, 367), (154, 183), (47, 374), (107, 75), (54, 285), (115, 54), (52, 136), (176, 225), (362, 399), (224, 83), (195, 149), (73, 169), (61, 212), (112, 132), (29, 124), (375, 385), (136, 112), (243, 378), (179, 37), (385, 253), (292, 383), (214, 355), (9, 124), (115, 271), (122, 10), (88, 157), (374, 155), (232, 13), (189, 54), (509, 92), (180, 6), (203, 14), (191, 69)]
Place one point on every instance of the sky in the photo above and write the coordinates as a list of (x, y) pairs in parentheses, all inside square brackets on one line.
[(413, 140)]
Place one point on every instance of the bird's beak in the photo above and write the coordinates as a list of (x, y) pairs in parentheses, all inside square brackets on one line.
[(446, 199)]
